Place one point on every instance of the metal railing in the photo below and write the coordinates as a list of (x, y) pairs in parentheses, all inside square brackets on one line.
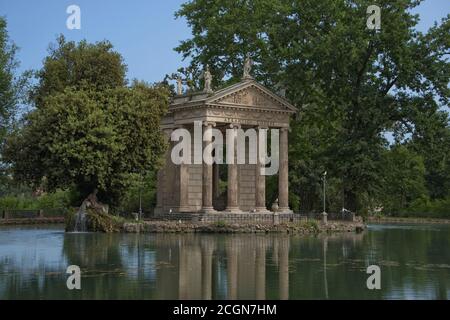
[(31, 214)]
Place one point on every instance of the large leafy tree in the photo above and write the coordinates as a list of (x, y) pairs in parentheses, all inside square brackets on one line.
[(89, 130), (8, 90), (351, 84), (404, 179), (11, 91)]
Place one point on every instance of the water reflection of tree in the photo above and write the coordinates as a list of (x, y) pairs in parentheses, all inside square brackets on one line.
[(193, 266), (113, 266), (416, 256), (282, 267)]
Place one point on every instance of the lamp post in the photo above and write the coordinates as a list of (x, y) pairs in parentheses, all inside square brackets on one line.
[(140, 202), (324, 213), (140, 198)]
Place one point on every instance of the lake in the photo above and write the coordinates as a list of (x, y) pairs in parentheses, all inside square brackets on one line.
[(414, 262)]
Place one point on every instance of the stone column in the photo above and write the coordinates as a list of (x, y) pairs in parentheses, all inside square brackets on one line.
[(159, 192), (182, 185), (207, 185), (183, 179), (216, 178), (283, 174), (232, 195), (260, 180), (171, 184)]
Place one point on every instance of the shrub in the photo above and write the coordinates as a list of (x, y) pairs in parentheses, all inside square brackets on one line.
[(221, 224)]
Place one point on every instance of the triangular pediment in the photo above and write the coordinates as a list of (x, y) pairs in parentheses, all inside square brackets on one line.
[(250, 94)]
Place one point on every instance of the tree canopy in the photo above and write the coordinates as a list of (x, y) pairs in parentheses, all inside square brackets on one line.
[(88, 130), (352, 85), (12, 91)]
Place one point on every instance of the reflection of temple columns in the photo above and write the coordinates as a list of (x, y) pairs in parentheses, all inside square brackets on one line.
[(284, 268), (207, 173), (183, 287), (232, 269), (190, 272), (232, 201), (283, 175), (275, 251), (207, 251), (325, 280), (260, 179), (260, 269)]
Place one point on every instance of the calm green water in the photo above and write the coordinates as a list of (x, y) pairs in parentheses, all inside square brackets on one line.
[(414, 262)]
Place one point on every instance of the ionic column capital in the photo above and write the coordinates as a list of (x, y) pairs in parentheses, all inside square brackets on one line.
[(209, 124), (235, 126)]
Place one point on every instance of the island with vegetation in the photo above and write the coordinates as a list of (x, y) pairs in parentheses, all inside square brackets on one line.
[(371, 113)]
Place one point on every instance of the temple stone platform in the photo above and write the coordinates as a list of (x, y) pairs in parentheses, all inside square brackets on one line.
[(242, 217)]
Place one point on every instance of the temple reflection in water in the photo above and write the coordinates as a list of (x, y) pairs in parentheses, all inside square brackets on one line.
[(231, 267), (33, 264)]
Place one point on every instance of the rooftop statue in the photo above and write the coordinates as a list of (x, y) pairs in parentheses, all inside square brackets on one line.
[(179, 86), (247, 67), (208, 79)]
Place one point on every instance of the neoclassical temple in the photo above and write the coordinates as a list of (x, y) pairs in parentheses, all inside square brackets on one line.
[(199, 188)]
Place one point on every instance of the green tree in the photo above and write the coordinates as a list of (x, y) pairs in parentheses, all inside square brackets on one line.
[(79, 66), (351, 84), (404, 179), (431, 139), (11, 89), (8, 93), (88, 131)]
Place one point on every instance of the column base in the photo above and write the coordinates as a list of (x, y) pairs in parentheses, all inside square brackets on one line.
[(284, 210), (262, 210), (208, 210), (183, 209), (233, 210), (324, 218)]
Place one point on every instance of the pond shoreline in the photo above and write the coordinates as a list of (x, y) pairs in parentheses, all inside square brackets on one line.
[(28, 221), (407, 220), (305, 228)]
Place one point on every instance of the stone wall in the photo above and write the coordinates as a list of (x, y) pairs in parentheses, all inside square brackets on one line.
[(246, 188), (195, 186), (30, 214), (341, 216), (262, 218)]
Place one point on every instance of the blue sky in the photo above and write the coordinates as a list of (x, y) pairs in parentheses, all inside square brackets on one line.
[(143, 31)]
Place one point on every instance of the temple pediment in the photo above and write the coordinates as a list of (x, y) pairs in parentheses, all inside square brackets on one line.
[(250, 94), (246, 103)]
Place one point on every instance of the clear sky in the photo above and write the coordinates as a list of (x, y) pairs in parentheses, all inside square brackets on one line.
[(143, 31)]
